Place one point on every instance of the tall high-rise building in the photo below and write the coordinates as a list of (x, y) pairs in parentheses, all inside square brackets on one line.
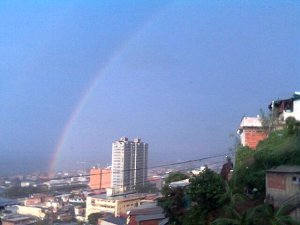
[(129, 164)]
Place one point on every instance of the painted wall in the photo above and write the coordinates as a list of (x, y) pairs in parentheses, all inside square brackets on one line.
[(296, 111), (33, 211), (100, 179), (252, 136)]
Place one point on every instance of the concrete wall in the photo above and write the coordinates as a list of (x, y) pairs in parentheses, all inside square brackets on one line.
[(296, 214), (281, 186), (95, 205), (115, 207), (32, 201), (102, 222), (150, 222), (296, 111), (33, 211), (125, 206), (100, 179)]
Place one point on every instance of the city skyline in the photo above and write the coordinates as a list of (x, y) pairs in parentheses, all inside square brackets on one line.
[(76, 75)]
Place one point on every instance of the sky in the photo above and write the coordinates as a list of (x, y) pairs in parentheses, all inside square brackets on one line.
[(77, 75)]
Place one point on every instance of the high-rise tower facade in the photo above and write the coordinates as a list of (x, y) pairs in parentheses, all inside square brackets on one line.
[(129, 163)]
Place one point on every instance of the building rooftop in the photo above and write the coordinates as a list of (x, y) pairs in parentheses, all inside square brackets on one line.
[(17, 218), (6, 202), (181, 183), (115, 220), (158, 216), (297, 95), (164, 221), (284, 104), (120, 196), (285, 169), (251, 122), (146, 209)]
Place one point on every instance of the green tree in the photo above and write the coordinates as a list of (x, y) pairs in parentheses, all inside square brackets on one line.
[(93, 218), (175, 176), (293, 126), (18, 192), (205, 191), (236, 218), (195, 216), (172, 177), (146, 188), (173, 205), (270, 216), (231, 196), (173, 200)]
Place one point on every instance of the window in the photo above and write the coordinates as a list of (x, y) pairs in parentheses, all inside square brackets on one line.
[(296, 180)]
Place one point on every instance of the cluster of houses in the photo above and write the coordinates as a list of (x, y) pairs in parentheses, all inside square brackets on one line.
[(126, 208)]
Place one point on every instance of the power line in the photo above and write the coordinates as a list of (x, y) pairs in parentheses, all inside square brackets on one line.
[(151, 167), (218, 163), (181, 170)]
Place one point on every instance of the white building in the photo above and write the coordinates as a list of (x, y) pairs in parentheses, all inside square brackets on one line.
[(129, 164), (287, 107), (251, 131)]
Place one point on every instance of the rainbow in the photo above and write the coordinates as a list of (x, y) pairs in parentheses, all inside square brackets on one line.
[(89, 90), (78, 108)]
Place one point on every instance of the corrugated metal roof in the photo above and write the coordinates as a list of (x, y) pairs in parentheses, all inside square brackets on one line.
[(146, 209), (164, 221), (150, 217), (285, 169), (181, 183), (115, 220)]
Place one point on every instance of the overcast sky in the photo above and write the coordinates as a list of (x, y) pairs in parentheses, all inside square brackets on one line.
[(76, 75)]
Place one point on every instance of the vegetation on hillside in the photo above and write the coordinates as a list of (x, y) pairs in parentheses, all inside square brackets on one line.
[(282, 147), (239, 201)]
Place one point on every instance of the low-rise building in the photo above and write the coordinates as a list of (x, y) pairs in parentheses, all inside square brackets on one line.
[(64, 217), (283, 188), (251, 131), (282, 183), (32, 201), (8, 202), (147, 214), (156, 181), (37, 199), (112, 221), (19, 220), (79, 213), (32, 210), (27, 183), (117, 205), (284, 108)]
